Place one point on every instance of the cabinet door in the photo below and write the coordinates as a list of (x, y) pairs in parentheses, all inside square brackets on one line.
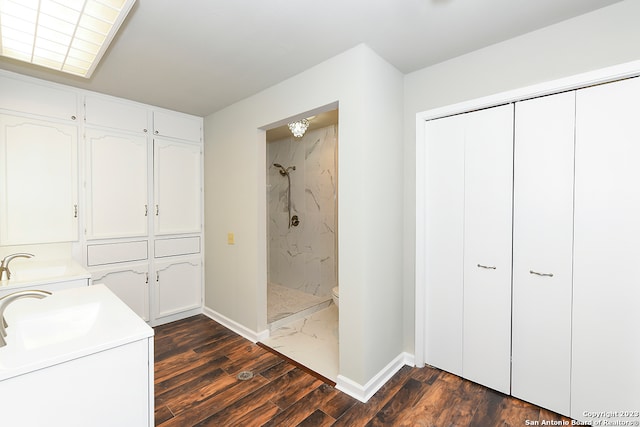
[(177, 187), (176, 125), (488, 185), (444, 242), (606, 291), (543, 250), (38, 180), (117, 184), (38, 98), (124, 116), (129, 283), (179, 286)]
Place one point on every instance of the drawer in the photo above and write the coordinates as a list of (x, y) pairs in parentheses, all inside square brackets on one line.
[(111, 253), (177, 246)]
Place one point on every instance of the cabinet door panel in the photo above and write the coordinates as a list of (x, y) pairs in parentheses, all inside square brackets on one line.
[(35, 98), (543, 243), (130, 284), (176, 125), (606, 291), (444, 242), (39, 181), (179, 286), (117, 180), (487, 247), (114, 114), (177, 185)]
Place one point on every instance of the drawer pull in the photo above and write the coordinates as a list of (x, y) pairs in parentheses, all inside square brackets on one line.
[(541, 274), (488, 267)]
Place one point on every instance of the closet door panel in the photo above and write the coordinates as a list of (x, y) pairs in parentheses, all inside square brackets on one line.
[(444, 240), (542, 250), (606, 289), (487, 247)]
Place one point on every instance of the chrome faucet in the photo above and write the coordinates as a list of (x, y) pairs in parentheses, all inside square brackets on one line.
[(8, 299), (4, 266)]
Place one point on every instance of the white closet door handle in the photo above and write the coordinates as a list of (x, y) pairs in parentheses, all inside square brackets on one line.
[(488, 267), (541, 274)]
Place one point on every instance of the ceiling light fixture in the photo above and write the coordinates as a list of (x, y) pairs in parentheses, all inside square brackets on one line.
[(299, 127), (65, 35)]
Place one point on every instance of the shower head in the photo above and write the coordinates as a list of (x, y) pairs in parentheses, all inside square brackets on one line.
[(284, 171)]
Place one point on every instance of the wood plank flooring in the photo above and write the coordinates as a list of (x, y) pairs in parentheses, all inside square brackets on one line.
[(197, 362)]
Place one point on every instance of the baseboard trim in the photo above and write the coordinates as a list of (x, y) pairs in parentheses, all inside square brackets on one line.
[(236, 327), (364, 393)]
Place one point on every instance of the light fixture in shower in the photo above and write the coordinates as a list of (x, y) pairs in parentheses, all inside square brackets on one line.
[(298, 128)]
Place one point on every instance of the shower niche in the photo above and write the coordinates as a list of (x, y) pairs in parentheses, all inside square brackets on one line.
[(301, 218)]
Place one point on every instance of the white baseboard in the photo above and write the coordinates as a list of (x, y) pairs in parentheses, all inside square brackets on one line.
[(364, 393), (236, 327)]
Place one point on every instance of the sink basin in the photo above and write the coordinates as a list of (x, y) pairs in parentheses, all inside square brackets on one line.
[(32, 272), (39, 272), (66, 325)]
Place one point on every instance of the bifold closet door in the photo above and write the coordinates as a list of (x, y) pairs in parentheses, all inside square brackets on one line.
[(444, 242), (543, 250), (488, 184), (606, 285)]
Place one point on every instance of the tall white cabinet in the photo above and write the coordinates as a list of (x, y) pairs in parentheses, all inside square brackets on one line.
[(537, 295), (606, 284), (120, 181)]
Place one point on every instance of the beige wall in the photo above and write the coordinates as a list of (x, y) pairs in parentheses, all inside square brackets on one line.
[(369, 93), (602, 38)]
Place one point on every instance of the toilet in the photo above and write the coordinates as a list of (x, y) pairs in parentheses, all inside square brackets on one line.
[(334, 296)]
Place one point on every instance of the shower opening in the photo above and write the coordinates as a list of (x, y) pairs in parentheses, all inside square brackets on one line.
[(301, 219)]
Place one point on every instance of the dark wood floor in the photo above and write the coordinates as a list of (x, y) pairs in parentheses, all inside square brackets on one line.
[(197, 362)]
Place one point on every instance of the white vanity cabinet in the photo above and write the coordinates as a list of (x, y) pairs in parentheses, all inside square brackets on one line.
[(38, 181), (542, 250), (178, 285), (605, 368), (117, 200), (177, 169)]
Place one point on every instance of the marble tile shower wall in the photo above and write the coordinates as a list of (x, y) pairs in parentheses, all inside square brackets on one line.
[(303, 257)]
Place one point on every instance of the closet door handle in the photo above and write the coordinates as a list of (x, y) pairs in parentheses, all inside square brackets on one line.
[(488, 267), (541, 274)]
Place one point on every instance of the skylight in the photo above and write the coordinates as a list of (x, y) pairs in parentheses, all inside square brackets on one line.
[(65, 35)]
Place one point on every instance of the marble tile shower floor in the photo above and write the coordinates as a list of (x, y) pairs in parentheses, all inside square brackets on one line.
[(311, 341), (285, 305)]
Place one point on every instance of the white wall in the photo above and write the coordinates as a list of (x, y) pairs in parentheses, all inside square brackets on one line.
[(369, 93), (602, 38)]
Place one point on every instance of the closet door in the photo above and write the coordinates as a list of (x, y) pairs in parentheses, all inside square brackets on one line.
[(606, 286), (488, 183), (542, 250), (444, 242)]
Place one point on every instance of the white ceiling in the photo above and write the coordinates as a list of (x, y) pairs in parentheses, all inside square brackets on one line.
[(198, 56)]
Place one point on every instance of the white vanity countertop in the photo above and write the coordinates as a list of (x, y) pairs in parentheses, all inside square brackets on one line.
[(66, 325), (33, 272)]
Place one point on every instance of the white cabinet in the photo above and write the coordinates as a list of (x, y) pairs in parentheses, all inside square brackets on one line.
[(487, 247), (606, 291), (444, 242), (177, 187), (130, 283), (117, 200), (468, 294), (39, 181), (39, 98), (542, 250), (176, 125), (179, 285), (115, 114)]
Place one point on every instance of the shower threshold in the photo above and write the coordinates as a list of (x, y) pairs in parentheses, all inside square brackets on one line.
[(286, 305)]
